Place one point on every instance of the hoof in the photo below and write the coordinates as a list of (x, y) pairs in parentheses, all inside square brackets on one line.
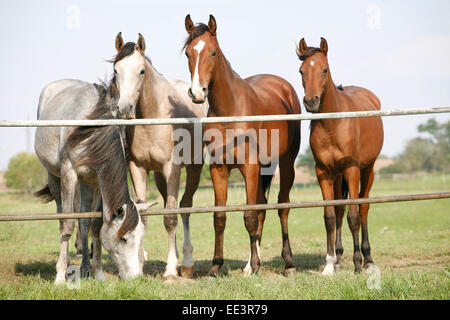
[(187, 272), (247, 271), (86, 271), (328, 270), (99, 276), (290, 272), (370, 268), (170, 278), (337, 267), (214, 271), (60, 280)]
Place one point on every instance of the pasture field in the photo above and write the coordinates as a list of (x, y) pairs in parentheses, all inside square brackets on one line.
[(409, 240)]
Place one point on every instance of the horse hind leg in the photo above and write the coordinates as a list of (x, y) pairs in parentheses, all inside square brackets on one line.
[(171, 174), (287, 175), (339, 210), (352, 176), (367, 176), (193, 173), (66, 192), (84, 227)]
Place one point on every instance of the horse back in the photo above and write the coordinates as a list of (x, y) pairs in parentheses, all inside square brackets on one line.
[(274, 95), (359, 99)]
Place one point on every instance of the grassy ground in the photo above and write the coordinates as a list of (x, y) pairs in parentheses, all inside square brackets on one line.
[(410, 244)]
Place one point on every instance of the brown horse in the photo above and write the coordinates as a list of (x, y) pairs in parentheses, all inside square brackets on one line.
[(345, 151), (229, 95)]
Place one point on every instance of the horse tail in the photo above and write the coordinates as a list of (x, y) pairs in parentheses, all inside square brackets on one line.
[(45, 194), (266, 181), (344, 189)]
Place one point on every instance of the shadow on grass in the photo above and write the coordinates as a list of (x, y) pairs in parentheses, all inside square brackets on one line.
[(45, 269), (303, 262), (155, 268)]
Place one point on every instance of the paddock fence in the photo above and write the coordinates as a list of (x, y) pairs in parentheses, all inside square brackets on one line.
[(230, 208)]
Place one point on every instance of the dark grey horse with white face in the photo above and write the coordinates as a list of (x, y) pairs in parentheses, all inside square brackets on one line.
[(87, 171)]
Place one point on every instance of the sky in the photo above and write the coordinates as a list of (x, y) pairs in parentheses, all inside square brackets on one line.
[(400, 50)]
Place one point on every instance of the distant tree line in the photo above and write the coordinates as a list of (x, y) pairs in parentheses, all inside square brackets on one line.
[(429, 154)]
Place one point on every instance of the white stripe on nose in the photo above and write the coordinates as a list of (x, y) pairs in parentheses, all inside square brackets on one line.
[(196, 87)]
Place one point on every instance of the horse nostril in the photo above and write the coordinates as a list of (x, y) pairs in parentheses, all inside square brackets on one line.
[(316, 98), (190, 92), (117, 108), (205, 90)]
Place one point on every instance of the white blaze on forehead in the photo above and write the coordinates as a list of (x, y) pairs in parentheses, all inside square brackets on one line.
[(196, 79), (312, 63)]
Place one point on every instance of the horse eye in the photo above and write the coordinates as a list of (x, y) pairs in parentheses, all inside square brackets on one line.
[(187, 55), (325, 71), (123, 240), (115, 71), (120, 211), (142, 71), (301, 72), (213, 53)]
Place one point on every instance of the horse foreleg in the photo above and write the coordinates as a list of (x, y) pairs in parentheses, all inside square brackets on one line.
[(171, 174), (139, 178), (219, 176), (352, 175), (96, 241), (253, 188), (326, 182), (66, 226), (193, 173), (367, 176)]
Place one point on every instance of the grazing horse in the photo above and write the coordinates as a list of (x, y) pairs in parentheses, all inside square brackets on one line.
[(87, 171), (229, 95), (144, 93), (345, 151)]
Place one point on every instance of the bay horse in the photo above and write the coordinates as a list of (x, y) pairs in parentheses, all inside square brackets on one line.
[(87, 171), (212, 78), (145, 93), (345, 151)]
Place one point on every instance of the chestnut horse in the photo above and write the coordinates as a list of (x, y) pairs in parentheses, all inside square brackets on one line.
[(229, 95), (345, 151)]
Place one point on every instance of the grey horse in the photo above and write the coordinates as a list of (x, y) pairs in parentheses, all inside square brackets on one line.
[(87, 170)]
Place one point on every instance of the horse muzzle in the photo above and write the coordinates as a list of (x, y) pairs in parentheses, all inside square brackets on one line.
[(198, 96), (312, 105)]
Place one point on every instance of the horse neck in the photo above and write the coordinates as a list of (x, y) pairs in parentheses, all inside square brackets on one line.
[(329, 98), (148, 106), (221, 99)]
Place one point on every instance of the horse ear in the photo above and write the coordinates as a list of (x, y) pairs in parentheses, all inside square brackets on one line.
[(302, 46), (141, 44), (212, 26), (119, 42), (189, 25), (142, 207), (323, 46)]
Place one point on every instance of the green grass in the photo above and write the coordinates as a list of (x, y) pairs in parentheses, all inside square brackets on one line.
[(409, 240)]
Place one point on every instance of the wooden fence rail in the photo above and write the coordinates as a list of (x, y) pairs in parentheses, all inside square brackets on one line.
[(233, 208)]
